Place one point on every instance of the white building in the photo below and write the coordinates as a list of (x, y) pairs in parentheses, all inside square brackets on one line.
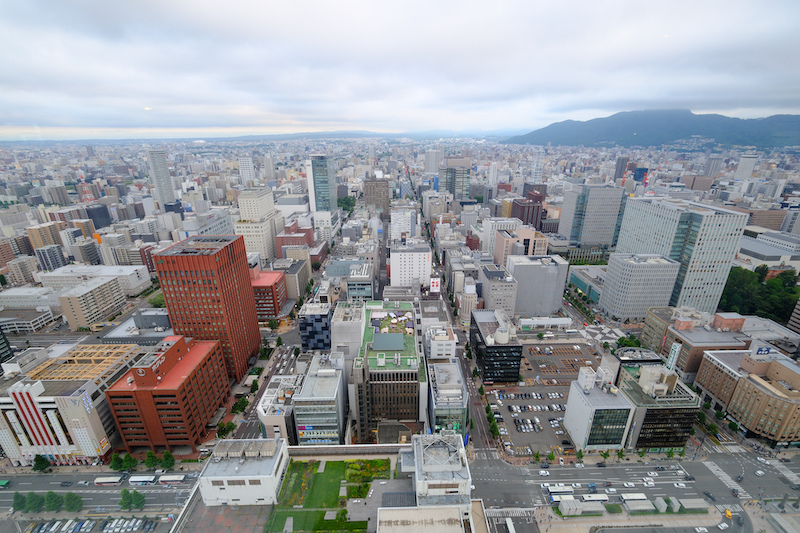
[(132, 279), (403, 221), (635, 283), (410, 264), (440, 343), (215, 222), (541, 280), (702, 238), (490, 227), (244, 472), (326, 224), (30, 297), (441, 475), (590, 214), (247, 171), (159, 176)]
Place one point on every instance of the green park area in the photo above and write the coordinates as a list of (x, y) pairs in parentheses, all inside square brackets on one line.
[(308, 494)]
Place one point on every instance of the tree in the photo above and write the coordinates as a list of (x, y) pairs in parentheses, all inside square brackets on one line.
[(53, 502), (493, 429), (341, 515), (712, 428), (254, 386), (670, 454), (19, 501), (40, 463), (167, 460), (34, 502), (762, 271), (605, 345), (129, 462), (116, 462), (157, 301), (272, 323), (642, 453), (692, 431), (475, 372), (278, 342), (536, 456), (315, 265), (620, 454), (701, 417), (151, 460), (296, 352), (240, 405), (540, 335), (733, 426), (126, 500), (605, 455), (471, 424), (137, 500), (682, 453), (292, 315), (707, 405), (480, 390), (551, 456), (579, 455), (719, 415)]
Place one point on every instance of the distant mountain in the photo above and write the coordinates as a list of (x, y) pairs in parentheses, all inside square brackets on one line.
[(654, 128)]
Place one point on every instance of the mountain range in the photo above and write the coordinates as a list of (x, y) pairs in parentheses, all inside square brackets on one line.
[(654, 128)]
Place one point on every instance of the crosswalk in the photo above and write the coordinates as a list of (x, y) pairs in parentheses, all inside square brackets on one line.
[(733, 508), (725, 478), (508, 513), (788, 474)]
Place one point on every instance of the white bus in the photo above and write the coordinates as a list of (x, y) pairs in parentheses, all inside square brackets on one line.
[(595, 497), (510, 526), (636, 496), (556, 498), (142, 480), (172, 480), (560, 489), (112, 480)]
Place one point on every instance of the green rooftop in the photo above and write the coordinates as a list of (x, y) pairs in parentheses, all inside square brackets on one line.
[(391, 338)]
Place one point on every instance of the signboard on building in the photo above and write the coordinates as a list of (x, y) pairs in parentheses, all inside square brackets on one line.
[(673, 355), (436, 284)]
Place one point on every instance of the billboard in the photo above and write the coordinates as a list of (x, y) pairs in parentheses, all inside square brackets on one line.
[(436, 284)]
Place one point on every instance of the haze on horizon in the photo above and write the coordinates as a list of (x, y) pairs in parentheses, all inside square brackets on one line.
[(150, 69)]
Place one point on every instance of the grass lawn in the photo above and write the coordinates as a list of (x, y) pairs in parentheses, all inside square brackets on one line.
[(613, 508), (299, 479), (309, 521), (364, 471), (325, 487)]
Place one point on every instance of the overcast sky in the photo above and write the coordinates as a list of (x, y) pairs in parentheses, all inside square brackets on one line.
[(124, 68)]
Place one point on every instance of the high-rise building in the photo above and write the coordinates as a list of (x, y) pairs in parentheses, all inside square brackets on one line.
[(21, 269), (622, 165), (635, 283), (591, 214), (702, 238), (713, 165), (44, 234), (50, 257), (530, 211), (747, 164), (92, 301), (314, 321), (522, 241), (410, 264), (247, 171), (99, 215), (206, 285), (321, 176), (378, 194), (541, 280), (498, 288), (403, 222), (159, 176), (456, 176), (269, 289), (433, 159), (86, 251), (258, 222), (169, 396)]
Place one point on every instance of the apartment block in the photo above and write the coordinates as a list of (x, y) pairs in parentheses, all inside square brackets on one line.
[(91, 302)]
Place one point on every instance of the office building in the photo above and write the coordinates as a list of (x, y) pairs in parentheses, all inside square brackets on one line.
[(491, 227), (314, 321), (99, 215), (206, 285), (269, 290), (495, 345), (21, 269), (529, 211), (169, 396), (455, 176), (244, 472), (50, 257), (620, 168), (247, 171), (42, 235), (410, 264), (498, 289), (276, 407), (440, 343), (448, 406), (591, 215), (757, 389), (635, 283), (598, 417), (433, 158), (320, 407), (92, 301), (326, 225), (321, 176), (160, 178), (361, 283), (132, 279), (378, 194), (53, 404), (69, 237), (747, 164), (258, 222), (389, 383), (403, 223), (524, 240), (297, 273), (703, 239), (541, 280)]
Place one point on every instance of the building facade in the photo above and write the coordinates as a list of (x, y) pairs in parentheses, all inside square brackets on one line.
[(541, 281), (314, 321), (269, 290), (635, 283), (497, 352), (592, 214)]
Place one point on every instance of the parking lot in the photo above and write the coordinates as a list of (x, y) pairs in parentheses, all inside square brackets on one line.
[(530, 417)]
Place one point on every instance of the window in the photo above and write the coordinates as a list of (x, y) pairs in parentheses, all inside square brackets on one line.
[(237, 482)]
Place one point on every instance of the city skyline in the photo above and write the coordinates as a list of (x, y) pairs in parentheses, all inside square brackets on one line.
[(107, 71)]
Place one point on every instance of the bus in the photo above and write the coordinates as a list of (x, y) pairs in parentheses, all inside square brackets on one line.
[(636, 496), (4, 484), (560, 489), (556, 498), (142, 480), (172, 480), (113, 480), (595, 497), (510, 526)]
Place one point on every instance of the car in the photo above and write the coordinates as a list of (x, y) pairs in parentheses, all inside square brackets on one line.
[(628, 485), (83, 483), (544, 465), (576, 485), (647, 479), (735, 493), (649, 484), (761, 460), (544, 473), (794, 486), (607, 484), (701, 529), (740, 520), (679, 485), (710, 496), (66, 483), (689, 478), (579, 465), (652, 474), (723, 526), (601, 465), (785, 460), (759, 473), (611, 491), (471, 487), (739, 478)]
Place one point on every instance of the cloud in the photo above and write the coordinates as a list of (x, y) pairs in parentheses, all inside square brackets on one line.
[(98, 66)]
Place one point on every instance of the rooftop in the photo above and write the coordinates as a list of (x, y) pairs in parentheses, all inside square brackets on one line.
[(86, 362), (420, 520), (764, 250), (600, 398), (267, 278), (277, 396), (93, 270), (245, 457), (386, 325), (88, 286), (200, 245), (323, 378), (680, 397), (346, 312), (710, 337)]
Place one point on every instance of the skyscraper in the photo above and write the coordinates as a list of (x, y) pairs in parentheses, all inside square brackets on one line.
[(622, 165), (456, 176), (159, 176), (702, 238), (206, 285), (247, 171), (321, 183), (591, 214)]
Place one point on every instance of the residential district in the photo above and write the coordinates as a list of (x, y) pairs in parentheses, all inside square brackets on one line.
[(390, 335)]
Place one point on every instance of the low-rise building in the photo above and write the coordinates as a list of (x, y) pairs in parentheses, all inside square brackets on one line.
[(494, 343), (276, 408), (314, 322), (91, 302), (320, 407), (440, 343), (244, 472), (131, 279)]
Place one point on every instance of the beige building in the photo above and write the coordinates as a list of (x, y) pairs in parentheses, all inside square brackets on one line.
[(43, 234), (523, 240), (21, 269), (92, 302)]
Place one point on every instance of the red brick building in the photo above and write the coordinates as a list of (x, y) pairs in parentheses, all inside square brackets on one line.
[(168, 397), (292, 235), (269, 289), (206, 284)]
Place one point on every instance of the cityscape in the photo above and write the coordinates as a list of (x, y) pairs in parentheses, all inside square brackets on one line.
[(522, 267)]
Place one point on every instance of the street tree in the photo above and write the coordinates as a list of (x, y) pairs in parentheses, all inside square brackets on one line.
[(254, 386), (137, 500), (579, 455), (278, 342), (53, 502), (620, 454), (167, 460), (19, 502), (40, 463), (129, 462), (34, 502), (116, 462), (605, 455), (126, 500), (151, 460)]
